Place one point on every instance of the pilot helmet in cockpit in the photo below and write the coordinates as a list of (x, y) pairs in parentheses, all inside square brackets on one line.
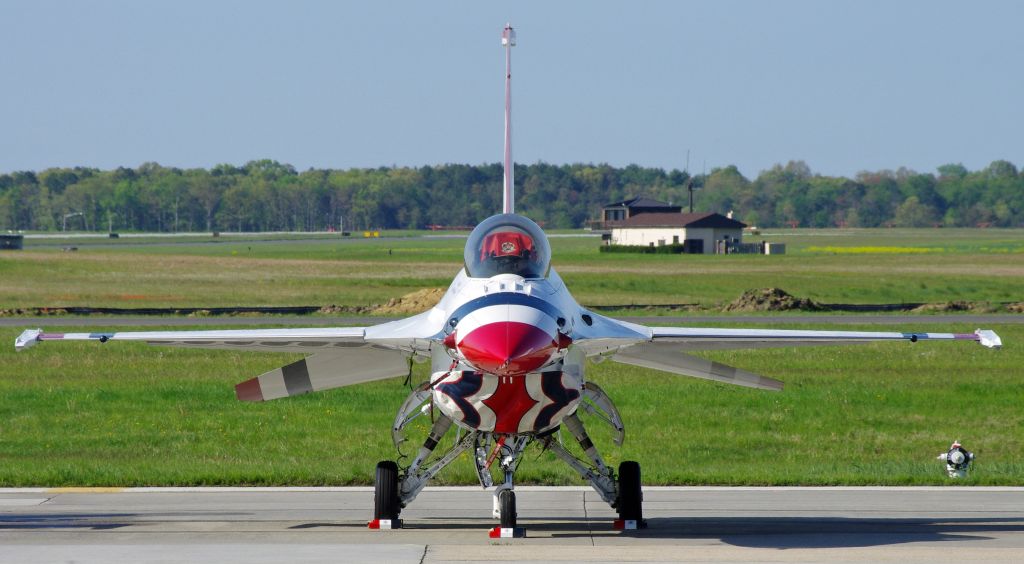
[(507, 244)]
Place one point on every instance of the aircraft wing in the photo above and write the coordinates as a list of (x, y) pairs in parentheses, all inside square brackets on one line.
[(698, 338), (341, 356), (410, 335), (280, 340), (662, 348), (604, 334)]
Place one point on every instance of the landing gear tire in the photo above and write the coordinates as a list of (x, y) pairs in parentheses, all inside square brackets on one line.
[(507, 507), (630, 502), (385, 491)]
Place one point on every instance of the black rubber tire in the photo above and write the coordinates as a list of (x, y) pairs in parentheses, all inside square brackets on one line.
[(385, 491), (630, 502), (507, 506)]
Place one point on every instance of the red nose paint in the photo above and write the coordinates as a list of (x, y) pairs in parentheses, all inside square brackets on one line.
[(507, 347)]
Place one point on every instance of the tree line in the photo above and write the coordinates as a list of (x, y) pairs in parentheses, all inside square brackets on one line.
[(266, 195)]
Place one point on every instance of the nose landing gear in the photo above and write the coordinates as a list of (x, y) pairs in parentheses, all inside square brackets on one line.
[(506, 453), (395, 489)]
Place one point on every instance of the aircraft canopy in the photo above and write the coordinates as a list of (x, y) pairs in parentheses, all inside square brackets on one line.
[(507, 244)]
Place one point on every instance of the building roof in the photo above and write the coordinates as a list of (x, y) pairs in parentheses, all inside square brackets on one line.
[(681, 220), (641, 202)]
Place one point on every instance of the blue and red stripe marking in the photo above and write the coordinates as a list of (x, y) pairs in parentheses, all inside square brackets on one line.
[(505, 298), (60, 336), (506, 333), (468, 385), (957, 336)]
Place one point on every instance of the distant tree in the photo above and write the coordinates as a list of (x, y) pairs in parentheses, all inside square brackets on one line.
[(852, 218), (44, 220), (57, 179), (1001, 169), (208, 191), (722, 189), (952, 171), (266, 194), (912, 213)]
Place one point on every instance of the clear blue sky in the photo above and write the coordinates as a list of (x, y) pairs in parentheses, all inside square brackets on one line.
[(843, 85)]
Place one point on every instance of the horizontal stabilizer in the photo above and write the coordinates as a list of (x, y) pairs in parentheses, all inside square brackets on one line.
[(665, 357), (324, 371)]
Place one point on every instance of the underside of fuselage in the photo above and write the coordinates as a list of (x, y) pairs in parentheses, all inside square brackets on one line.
[(498, 417), (523, 403)]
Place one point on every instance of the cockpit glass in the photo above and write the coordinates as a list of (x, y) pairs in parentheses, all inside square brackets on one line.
[(507, 244)]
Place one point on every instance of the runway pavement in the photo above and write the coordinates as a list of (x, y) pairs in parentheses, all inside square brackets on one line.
[(257, 525)]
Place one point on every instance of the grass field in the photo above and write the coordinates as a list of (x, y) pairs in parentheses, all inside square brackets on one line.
[(832, 266), (128, 414)]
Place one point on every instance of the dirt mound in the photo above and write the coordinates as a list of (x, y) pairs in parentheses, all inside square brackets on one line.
[(770, 299), (346, 310), (946, 307), (1015, 308), (420, 300), (25, 312)]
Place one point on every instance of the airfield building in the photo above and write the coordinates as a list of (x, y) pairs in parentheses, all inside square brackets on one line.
[(699, 233), (618, 212)]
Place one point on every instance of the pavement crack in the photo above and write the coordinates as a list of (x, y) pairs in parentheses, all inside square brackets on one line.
[(423, 558)]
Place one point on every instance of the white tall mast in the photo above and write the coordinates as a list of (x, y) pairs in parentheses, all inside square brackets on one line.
[(508, 40)]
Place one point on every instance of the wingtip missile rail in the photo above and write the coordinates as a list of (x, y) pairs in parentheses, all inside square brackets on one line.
[(27, 339)]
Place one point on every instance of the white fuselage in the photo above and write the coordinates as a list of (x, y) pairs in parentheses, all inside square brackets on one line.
[(508, 365)]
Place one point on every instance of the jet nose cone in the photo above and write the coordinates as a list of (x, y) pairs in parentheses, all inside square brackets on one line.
[(507, 348)]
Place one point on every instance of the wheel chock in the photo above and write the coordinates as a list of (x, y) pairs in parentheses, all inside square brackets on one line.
[(385, 524), (507, 533)]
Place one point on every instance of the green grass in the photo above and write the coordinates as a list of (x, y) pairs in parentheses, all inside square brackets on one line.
[(973, 265), (126, 414), (956, 240)]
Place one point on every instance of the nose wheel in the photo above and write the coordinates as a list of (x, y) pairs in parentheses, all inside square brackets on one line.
[(507, 508)]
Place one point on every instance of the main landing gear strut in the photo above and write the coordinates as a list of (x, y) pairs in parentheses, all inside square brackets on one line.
[(394, 489)]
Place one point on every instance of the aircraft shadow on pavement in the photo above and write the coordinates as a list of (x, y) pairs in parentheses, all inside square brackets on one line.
[(750, 532), (88, 521), (822, 532), (549, 525)]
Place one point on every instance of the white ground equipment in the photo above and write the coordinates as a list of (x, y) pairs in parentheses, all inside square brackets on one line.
[(958, 460)]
